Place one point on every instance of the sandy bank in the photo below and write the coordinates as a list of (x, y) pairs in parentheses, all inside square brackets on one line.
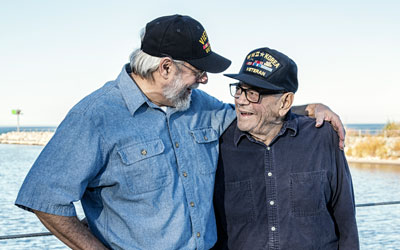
[(26, 138), (369, 160)]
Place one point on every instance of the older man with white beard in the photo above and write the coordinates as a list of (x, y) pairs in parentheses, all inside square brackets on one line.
[(141, 152)]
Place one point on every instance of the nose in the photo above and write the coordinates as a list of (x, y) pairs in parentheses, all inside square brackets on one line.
[(204, 78), (242, 100)]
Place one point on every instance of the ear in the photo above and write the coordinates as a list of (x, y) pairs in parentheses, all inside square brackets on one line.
[(165, 67), (286, 102)]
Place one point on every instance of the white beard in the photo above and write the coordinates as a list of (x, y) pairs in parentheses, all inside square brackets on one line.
[(178, 94)]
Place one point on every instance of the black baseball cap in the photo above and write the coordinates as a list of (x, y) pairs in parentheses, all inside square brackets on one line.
[(268, 69), (182, 38)]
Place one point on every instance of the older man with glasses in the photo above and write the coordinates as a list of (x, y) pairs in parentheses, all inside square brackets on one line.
[(281, 183)]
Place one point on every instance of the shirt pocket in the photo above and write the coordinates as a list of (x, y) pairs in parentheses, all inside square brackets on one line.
[(145, 166), (307, 193), (206, 145), (239, 202)]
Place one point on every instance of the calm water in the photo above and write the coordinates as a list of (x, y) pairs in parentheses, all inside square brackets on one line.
[(15, 162), (365, 126), (379, 226)]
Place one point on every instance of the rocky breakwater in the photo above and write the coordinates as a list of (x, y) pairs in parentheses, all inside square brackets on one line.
[(26, 138)]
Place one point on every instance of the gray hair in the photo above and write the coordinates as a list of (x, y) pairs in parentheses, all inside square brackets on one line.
[(144, 64)]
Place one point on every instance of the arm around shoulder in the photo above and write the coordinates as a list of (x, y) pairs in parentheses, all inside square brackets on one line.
[(322, 113)]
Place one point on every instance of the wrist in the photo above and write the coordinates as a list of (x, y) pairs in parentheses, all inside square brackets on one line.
[(310, 109)]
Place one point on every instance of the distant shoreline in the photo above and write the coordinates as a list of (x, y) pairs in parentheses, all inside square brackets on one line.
[(39, 138), (372, 161)]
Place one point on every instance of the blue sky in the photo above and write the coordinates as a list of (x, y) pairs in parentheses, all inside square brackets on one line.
[(53, 53)]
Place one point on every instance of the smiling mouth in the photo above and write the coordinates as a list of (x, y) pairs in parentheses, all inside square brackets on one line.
[(245, 113)]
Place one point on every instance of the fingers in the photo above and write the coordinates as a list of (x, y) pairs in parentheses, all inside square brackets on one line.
[(323, 113), (342, 135), (341, 132), (341, 144), (339, 128), (319, 119)]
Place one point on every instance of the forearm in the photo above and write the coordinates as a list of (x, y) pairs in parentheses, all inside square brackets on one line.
[(70, 231), (307, 109), (300, 110)]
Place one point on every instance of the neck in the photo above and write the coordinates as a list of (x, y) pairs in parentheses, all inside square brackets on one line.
[(269, 132), (152, 90)]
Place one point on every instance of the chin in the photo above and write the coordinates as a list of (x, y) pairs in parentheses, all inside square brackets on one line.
[(242, 127), (183, 104)]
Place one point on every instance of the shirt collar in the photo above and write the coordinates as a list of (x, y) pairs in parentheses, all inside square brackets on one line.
[(133, 96), (290, 123)]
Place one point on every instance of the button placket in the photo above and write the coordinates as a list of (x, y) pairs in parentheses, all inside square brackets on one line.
[(271, 196)]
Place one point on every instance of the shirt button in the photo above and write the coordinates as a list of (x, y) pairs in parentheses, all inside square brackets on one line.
[(184, 174), (269, 174), (205, 138), (192, 204), (176, 144), (273, 229), (271, 203), (198, 234), (143, 152), (268, 148)]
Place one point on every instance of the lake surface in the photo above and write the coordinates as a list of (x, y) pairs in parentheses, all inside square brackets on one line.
[(379, 226)]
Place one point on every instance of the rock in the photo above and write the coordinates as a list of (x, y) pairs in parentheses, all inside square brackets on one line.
[(26, 138)]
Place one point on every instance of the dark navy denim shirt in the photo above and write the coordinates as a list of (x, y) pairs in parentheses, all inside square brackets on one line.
[(295, 193), (145, 177)]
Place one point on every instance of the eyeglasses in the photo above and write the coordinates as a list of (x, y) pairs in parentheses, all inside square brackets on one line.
[(198, 74), (252, 95)]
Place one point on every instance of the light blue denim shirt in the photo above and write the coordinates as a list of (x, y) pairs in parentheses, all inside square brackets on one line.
[(145, 177)]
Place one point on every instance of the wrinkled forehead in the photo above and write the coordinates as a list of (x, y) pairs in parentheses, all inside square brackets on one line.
[(248, 86)]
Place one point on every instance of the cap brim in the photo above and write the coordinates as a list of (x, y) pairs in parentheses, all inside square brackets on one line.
[(254, 81), (212, 63)]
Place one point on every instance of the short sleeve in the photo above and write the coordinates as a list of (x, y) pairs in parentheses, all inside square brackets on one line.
[(64, 168)]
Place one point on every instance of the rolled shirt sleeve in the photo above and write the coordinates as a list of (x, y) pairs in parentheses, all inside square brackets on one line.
[(61, 173)]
